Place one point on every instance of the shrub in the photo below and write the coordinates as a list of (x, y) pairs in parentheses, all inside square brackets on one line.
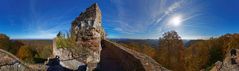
[(65, 42)]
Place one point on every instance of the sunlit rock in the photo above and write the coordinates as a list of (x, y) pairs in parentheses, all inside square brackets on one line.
[(87, 32), (230, 63)]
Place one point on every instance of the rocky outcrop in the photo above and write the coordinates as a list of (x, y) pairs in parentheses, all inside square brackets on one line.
[(115, 57), (9, 62), (87, 32), (88, 25), (230, 63), (66, 57)]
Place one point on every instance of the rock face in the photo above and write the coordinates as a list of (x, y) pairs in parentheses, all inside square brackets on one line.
[(115, 57), (88, 33), (88, 25), (9, 62), (66, 57), (230, 63)]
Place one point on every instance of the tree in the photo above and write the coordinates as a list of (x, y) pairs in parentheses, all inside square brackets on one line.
[(9, 45), (14, 46), (25, 53), (4, 42), (196, 56), (171, 51)]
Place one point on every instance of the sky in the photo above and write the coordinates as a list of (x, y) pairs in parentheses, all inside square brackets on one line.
[(135, 19)]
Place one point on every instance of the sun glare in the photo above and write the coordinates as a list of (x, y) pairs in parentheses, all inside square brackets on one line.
[(176, 21)]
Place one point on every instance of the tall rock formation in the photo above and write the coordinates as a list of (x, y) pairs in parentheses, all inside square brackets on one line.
[(87, 33), (88, 25)]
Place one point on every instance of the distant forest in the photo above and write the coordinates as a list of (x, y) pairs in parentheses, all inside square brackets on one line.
[(194, 55), (31, 51), (172, 52)]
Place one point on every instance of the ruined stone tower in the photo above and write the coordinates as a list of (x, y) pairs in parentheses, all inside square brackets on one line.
[(88, 21), (88, 32)]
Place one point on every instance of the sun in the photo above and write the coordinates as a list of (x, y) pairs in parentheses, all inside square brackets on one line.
[(176, 21)]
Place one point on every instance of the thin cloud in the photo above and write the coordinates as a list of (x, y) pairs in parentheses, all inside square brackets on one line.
[(150, 20), (45, 25)]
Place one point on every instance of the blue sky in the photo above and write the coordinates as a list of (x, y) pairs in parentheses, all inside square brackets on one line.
[(136, 19)]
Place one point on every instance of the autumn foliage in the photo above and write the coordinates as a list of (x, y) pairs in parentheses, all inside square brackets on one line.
[(9, 45), (170, 53), (171, 50), (25, 53), (198, 55), (143, 48)]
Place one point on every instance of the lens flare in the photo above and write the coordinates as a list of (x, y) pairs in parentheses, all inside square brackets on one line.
[(176, 21)]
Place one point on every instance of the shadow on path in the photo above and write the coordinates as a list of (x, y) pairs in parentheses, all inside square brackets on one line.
[(114, 58), (54, 65)]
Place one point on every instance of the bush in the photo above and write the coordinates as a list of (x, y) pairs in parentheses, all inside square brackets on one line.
[(45, 52), (65, 42)]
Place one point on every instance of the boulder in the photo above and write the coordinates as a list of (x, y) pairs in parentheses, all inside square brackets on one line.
[(230, 63), (9, 62)]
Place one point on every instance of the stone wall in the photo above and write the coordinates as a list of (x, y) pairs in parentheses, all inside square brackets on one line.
[(88, 32), (117, 57)]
